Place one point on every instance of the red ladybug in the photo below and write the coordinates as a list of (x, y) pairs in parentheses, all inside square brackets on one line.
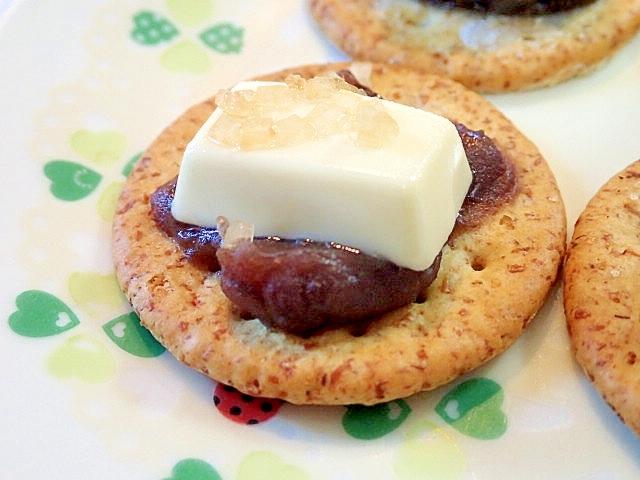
[(242, 408)]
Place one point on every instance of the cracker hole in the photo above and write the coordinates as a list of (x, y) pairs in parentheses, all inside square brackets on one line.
[(359, 329), (478, 264), (421, 298)]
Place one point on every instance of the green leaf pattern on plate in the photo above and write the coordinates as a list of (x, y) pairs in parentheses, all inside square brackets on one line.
[(152, 29), (71, 181), (126, 332), (41, 314), (370, 422), (474, 408), (224, 38), (184, 54), (193, 469)]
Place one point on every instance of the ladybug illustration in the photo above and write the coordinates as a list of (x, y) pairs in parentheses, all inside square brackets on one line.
[(242, 408)]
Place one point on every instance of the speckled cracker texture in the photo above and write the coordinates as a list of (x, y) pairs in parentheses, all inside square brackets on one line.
[(602, 293), (487, 53), (492, 281)]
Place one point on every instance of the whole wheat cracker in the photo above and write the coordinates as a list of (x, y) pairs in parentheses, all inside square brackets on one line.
[(487, 53), (492, 281), (602, 293)]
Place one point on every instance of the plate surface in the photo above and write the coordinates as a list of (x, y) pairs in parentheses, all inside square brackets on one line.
[(86, 86)]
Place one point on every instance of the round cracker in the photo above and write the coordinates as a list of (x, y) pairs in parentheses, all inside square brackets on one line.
[(487, 53), (602, 293), (492, 281)]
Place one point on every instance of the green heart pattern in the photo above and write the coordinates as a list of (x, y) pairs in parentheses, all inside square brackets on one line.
[(263, 465), (193, 469), (223, 38), (82, 357), (101, 147), (126, 332), (40, 314), (152, 29), (126, 171), (257, 465), (190, 12), (370, 422), (71, 181), (186, 55), (474, 408)]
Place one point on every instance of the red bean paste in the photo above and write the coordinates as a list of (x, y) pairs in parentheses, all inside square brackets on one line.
[(303, 286), (514, 7)]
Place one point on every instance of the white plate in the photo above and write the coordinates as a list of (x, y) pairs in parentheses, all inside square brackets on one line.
[(78, 400)]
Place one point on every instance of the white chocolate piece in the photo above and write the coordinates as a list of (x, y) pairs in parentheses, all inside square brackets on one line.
[(319, 160)]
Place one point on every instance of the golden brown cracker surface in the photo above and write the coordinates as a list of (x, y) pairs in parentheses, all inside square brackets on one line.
[(602, 293), (487, 53), (492, 281)]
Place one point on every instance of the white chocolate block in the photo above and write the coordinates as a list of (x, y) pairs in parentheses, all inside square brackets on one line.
[(380, 177)]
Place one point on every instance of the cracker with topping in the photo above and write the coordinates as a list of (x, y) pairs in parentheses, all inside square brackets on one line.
[(493, 279), (486, 52), (602, 293)]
